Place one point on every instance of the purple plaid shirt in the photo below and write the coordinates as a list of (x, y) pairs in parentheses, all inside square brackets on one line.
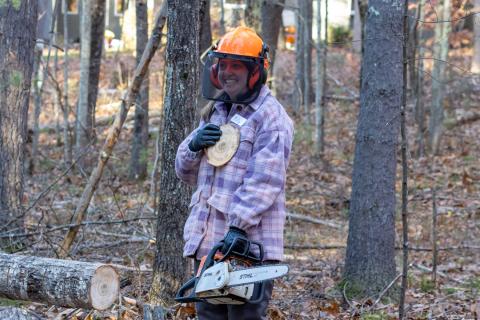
[(249, 191)]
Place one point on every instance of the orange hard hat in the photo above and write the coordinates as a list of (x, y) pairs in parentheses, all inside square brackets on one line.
[(243, 41)]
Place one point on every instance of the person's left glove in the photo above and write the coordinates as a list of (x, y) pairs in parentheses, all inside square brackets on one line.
[(240, 245)]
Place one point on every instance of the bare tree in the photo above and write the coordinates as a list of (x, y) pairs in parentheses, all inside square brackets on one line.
[(271, 23), (357, 27), (67, 150), (419, 102), (138, 158), (440, 55), (475, 68), (92, 32), (299, 60), (370, 257), (18, 22), (253, 14), (307, 57), (319, 90), (170, 269)]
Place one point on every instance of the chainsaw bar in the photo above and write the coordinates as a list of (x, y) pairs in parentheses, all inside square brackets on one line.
[(256, 274)]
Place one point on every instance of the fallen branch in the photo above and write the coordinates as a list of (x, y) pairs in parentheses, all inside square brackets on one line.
[(449, 124), (116, 128), (428, 270), (297, 216)]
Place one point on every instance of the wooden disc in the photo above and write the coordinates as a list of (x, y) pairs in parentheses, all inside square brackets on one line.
[(225, 148), (104, 288)]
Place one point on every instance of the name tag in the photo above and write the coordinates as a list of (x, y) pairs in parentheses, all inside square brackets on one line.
[(238, 120)]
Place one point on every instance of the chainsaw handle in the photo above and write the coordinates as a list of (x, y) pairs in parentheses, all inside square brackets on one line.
[(246, 253), (190, 284)]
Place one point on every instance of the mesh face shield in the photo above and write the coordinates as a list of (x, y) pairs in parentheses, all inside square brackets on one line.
[(232, 78)]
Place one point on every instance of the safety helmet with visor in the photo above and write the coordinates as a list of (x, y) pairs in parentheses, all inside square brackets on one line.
[(236, 67)]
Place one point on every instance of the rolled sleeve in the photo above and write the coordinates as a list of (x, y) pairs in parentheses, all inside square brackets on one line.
[(263, 182)]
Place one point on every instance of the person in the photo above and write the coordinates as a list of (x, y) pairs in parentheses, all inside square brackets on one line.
[(246, 196)]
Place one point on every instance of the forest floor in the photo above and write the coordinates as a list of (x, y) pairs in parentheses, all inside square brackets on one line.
[(316, 188)]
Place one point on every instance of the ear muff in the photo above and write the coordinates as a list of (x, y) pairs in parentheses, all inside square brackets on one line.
[(214, 76), (257, 77), (254, 77)]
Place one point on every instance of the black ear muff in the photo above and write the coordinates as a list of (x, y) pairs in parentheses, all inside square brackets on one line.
[(214, 76)]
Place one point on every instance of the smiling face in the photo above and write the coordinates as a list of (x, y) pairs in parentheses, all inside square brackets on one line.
[(233, 76)]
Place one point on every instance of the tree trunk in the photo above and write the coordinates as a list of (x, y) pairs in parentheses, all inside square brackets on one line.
[(18, 21), (299, 60), (64, 283), (419, 102), (319, 114), (253, 14), (96, 48), (370, 258), (205, 42), (475, 68), (222, 18), (307, 56), (139, 156), (84, 124), (170, 269), (41, 77), (92, 32), (357, 27), (440, 54), (67, 150), (271, 23)]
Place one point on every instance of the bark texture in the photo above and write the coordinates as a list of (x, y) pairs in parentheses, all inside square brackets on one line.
[(59, 282), (370, 264), (440, 54), (253, 14), (271, 23), (475, 68), (18, 22), (170, 269), (96, 49), (138, 160), (93, 29)]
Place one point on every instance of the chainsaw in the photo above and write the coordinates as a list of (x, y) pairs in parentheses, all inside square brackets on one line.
[(231, 278)]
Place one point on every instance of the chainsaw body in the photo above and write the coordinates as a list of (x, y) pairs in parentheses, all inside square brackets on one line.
[(232, 278)]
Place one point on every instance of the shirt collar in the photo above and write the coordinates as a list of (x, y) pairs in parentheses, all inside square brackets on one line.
[(264, 92)]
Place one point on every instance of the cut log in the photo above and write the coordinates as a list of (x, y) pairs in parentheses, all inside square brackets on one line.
[(11, 313), (58, 282)]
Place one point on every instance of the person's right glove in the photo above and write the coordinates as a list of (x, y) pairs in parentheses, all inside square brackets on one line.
[(206, 137), (236, 240)]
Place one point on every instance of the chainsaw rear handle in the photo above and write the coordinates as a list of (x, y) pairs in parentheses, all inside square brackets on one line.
[(247, 252)]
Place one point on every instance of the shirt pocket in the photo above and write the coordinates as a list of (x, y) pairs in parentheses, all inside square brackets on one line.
[(244, 151), (220, 201)]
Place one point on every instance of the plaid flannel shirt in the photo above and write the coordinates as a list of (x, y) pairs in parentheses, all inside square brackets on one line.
[(249, 191)]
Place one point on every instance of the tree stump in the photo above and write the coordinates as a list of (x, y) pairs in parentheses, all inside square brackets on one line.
[(64, 283)]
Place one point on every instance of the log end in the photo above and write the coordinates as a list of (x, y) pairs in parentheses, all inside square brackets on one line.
[(104, 287)]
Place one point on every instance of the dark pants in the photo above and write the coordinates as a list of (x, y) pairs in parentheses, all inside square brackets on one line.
[(247, 311)]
